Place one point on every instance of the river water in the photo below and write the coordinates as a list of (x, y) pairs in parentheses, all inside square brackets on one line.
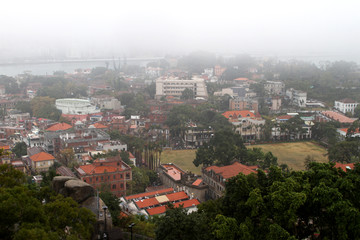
[(67, 66)]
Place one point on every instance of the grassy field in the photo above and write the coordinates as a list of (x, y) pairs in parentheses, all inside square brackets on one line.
[(292, 154), (182, 158)]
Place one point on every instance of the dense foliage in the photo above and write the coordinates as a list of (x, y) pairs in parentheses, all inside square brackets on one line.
[(323, 201), (27, 212)]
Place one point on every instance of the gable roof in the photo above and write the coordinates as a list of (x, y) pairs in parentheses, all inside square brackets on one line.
[(236, 114), (231, 170), (347, 100), (99, 125), (162, 209), (59, 127), (345, 166), (42, 156)]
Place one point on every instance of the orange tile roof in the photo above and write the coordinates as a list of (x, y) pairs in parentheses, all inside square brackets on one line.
[(147, 203), (99, 125), (337, 117), (231, 170), (5, 147), (344, 165), (162, 209), (197, 182), (42, 156), (236, 114), (285, 117), (147, 194), (92, 169), (59, 127), (241, 79), (346, 130), (177, 196), (173, 171)]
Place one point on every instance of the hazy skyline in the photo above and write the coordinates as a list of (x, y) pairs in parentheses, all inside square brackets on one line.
[(109, 28)]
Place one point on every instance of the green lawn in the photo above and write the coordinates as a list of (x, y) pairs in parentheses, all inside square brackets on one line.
[(182, 158), (292, 154)]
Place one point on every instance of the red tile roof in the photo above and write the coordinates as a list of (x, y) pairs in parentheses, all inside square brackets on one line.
[(162, 209), (92, 169), (147, 203), (285, 117), (344, 166), (241, 79), (197, 182), (5, 147), (173, 171), (231, 170), (148, 194), (99, 125), (337, 117), (236, 114), (59, 127), (177, 196), (42, 156)]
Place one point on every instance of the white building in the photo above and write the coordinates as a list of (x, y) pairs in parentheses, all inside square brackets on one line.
[(277, 88), (175, 87), (346, 105), (75, 106), (297, 97)]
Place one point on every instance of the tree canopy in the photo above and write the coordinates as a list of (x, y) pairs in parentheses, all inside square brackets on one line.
[(27, 212)]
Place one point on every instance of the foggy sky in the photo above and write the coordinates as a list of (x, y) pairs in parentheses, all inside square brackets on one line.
[(83, 28)]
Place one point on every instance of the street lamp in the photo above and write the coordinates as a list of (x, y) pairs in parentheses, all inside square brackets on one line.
[(131, 227), (105, 235)]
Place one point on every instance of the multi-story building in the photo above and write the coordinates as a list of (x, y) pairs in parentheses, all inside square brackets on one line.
[(107, 174), (346, 105), (297, 97), (274, 88), (107, 102), (216, 177), (174, 177), (175, 87), (275, 103), (238, 104), (41, 161), (247, 124)]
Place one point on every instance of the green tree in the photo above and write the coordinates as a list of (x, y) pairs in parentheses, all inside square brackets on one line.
[(187, 94), (44, 107), (113, 203), (178, 224), (20, 149)]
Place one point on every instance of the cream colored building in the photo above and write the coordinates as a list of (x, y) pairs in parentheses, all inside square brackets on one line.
[(175, 87)]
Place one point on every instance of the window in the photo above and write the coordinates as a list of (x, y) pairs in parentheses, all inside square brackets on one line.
[(84, 180), (121, 185), (113, 186), (97, 179), (109, 177), (114, 176), (121, 176), (90, 179), (102, 177), (128, 176)]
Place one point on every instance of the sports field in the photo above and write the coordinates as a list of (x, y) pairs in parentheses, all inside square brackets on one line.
[(292, 154), (182, 158)]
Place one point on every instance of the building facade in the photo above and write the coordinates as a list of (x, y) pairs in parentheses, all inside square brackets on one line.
[(175, 87), (274, 88), (215, 177), (107, 174), (346, 105)]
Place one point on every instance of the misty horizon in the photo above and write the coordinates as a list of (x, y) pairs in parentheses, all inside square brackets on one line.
[(94, 29)]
